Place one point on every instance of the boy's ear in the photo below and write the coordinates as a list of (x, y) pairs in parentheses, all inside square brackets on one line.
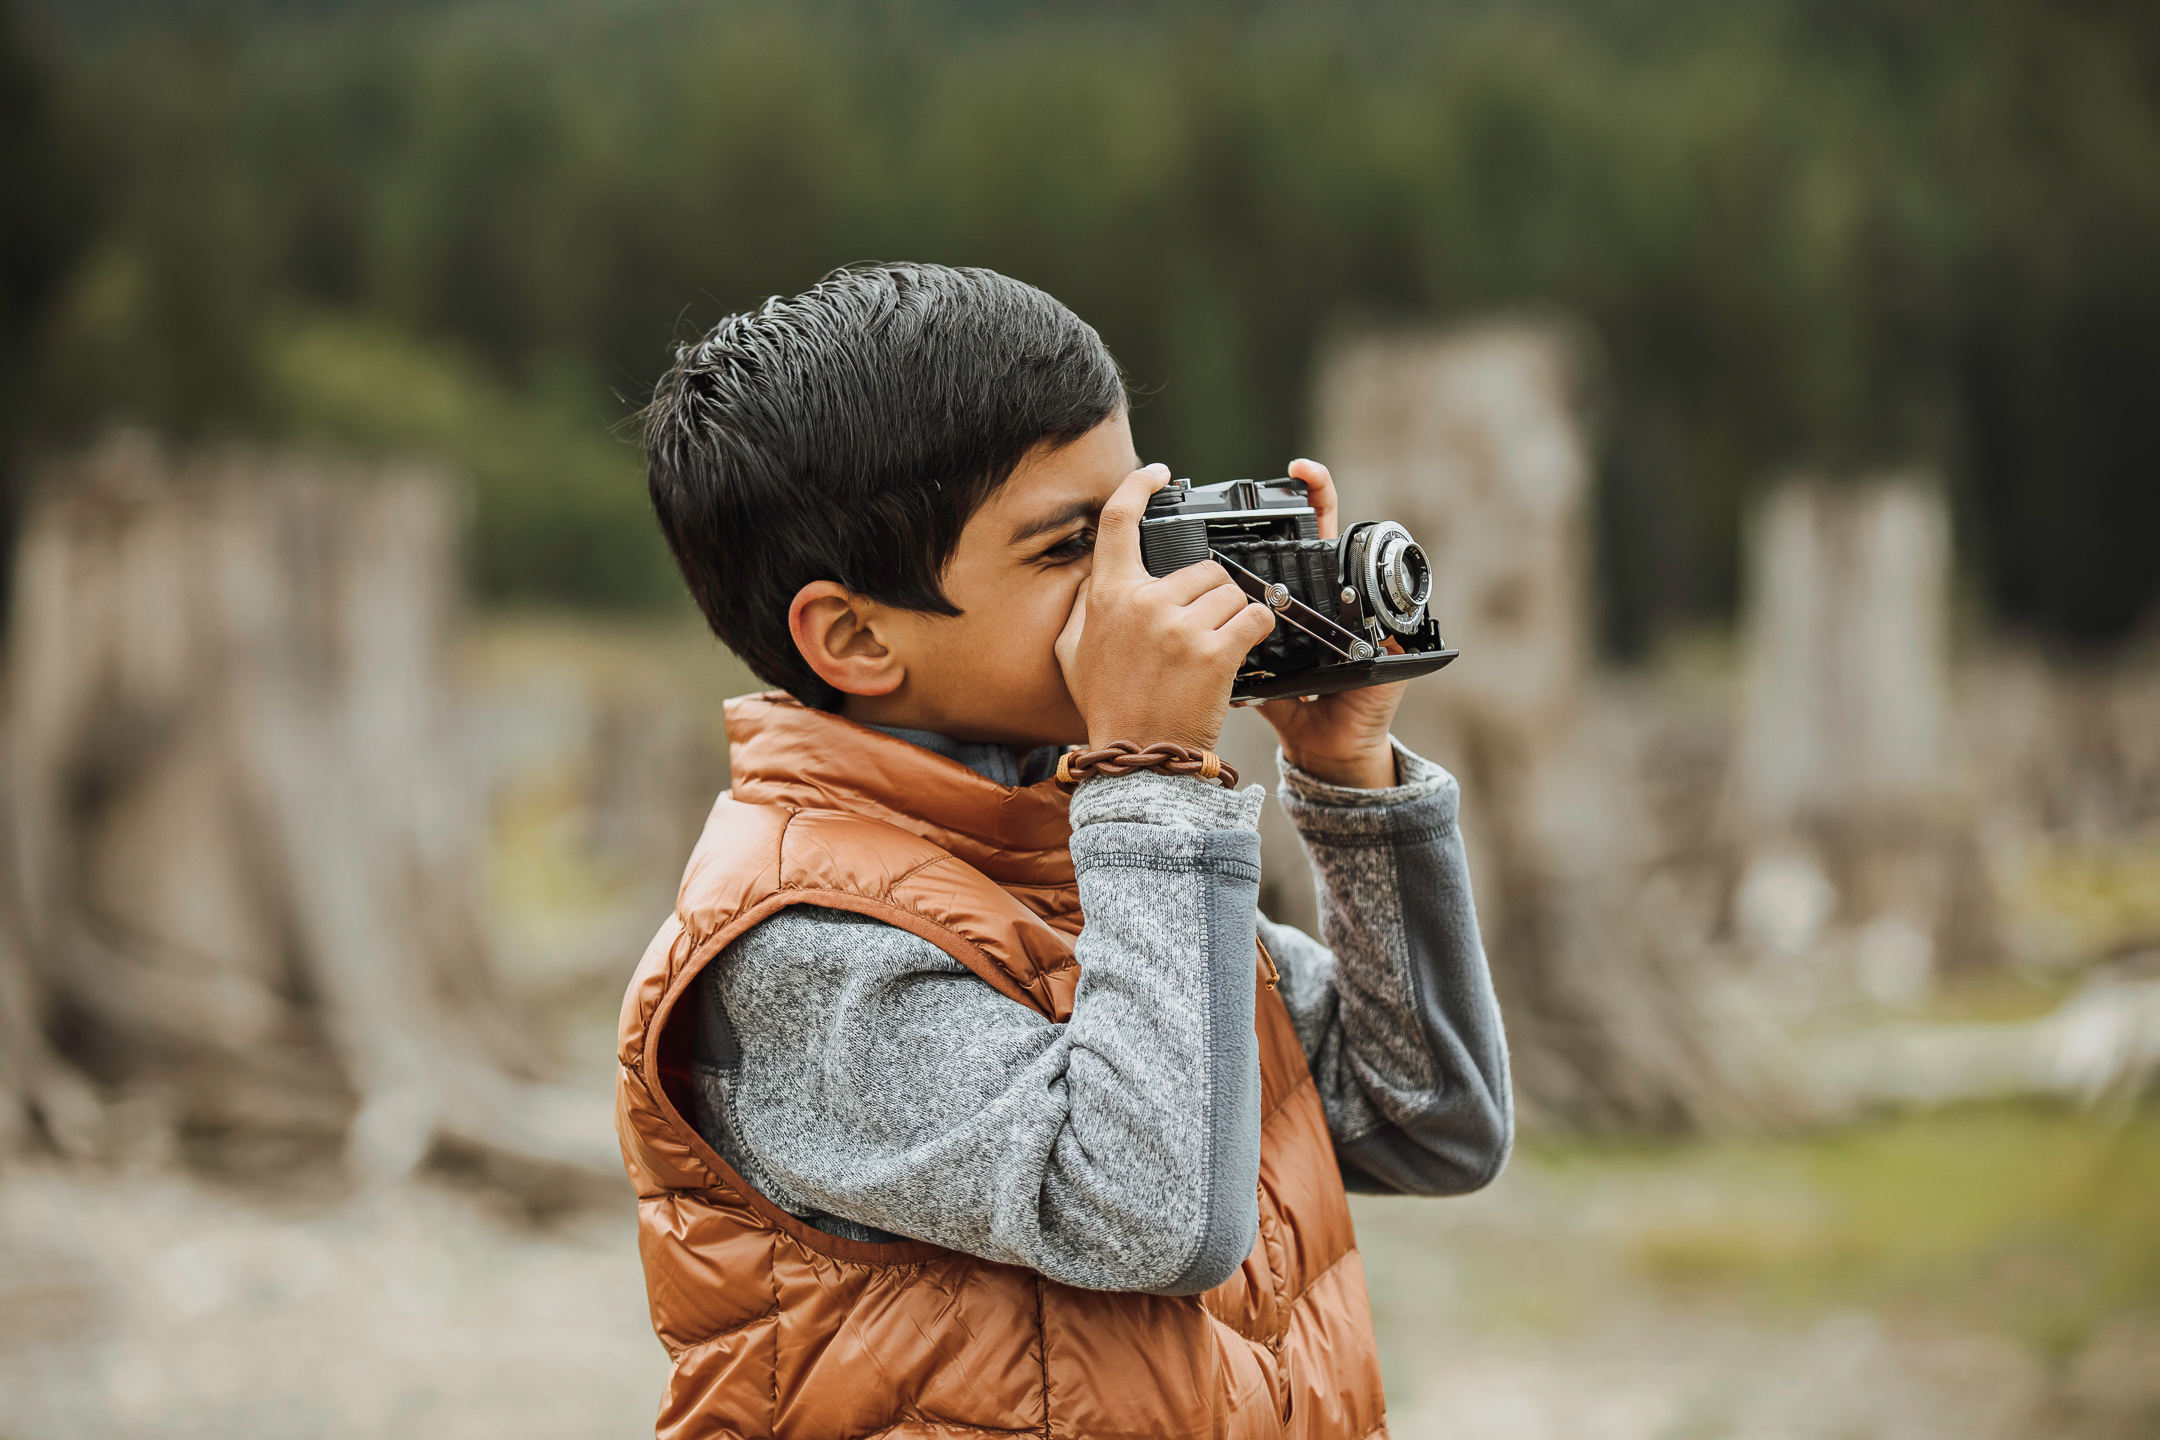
[(836, 631)]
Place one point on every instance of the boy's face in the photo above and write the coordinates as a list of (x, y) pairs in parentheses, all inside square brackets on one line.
[(991, 673)]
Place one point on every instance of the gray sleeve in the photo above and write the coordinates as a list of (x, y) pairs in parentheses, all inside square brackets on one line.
[(875, 1079), (1396, 1011)]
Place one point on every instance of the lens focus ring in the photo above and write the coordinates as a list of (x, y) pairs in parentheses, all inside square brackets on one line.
[(1405, 574), (1396, 576)]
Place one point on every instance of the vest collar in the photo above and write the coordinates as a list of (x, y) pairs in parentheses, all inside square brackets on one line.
[(1000, 763), (781, 752)]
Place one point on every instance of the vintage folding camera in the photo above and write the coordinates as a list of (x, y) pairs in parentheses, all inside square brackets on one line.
[(1349, 612)]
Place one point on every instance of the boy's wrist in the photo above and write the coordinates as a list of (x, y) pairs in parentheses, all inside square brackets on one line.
[(1417, 779), (1371, 768)]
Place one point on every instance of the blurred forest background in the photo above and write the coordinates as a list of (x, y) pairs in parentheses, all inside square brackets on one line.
[(1800, 233), (1771, 380)]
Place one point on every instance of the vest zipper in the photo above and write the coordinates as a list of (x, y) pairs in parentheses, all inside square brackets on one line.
[(1273, 974)]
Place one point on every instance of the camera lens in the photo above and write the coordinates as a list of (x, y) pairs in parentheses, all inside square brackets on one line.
[(1405, 574), (1397, 576)]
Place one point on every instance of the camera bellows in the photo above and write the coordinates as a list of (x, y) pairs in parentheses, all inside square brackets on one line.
[(1164, 548)]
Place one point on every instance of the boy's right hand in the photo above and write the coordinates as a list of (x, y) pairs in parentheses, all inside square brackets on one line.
[(1151, 659)]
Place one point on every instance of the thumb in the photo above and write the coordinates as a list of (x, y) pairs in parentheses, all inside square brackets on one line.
[(1117, 529), (1067, 647), (1319, 492)]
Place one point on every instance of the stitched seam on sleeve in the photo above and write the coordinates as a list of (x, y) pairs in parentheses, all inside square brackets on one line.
[(1210, 1107), (1345, 839), (1172, 865)]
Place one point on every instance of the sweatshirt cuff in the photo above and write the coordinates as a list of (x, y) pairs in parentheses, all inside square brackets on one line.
[(1417, 777), (1174, 800), (1422, 808)]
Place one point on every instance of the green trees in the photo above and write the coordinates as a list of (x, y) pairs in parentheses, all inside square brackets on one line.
[(1798, 232)]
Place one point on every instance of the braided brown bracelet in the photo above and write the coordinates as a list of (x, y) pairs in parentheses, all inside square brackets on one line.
[(1122, 757)]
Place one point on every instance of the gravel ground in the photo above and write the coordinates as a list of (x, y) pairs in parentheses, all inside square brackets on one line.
[(159, 1305), (155, 1306)]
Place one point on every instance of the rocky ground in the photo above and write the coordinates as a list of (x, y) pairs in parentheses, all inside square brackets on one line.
[(1987, 1276), (1976, 1276)]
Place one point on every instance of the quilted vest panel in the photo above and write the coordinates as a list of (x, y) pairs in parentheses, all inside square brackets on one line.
[(777, 1329)]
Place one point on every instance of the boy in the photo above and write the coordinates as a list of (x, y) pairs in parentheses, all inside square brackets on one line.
[(959, 1103)]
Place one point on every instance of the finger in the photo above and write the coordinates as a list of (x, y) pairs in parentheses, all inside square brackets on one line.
[(1117, 529), (1248, 627), (1182, 587), (1218, 606), (1319, 491)]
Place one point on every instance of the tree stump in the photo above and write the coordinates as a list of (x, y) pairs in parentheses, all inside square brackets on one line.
[(1847, 651), (1475, 441), (244, 829), (1843, 763)]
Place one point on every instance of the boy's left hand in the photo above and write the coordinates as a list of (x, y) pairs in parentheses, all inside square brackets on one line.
[(1340, 738)]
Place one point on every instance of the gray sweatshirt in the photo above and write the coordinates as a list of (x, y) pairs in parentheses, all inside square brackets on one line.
[(863, 1079)]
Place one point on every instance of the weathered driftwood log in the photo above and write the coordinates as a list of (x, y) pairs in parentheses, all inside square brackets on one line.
[(245, 833), (1475, 441)]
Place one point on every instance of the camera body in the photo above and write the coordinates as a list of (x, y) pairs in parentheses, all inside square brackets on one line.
[(1349, 612)]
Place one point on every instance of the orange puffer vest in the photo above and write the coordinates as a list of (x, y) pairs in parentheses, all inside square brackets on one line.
[(780, 1330)]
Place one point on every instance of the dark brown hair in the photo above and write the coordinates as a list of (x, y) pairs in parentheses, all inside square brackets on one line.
[(849, 433)]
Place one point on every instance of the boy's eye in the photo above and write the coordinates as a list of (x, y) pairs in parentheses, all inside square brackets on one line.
[(1073, 546)]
